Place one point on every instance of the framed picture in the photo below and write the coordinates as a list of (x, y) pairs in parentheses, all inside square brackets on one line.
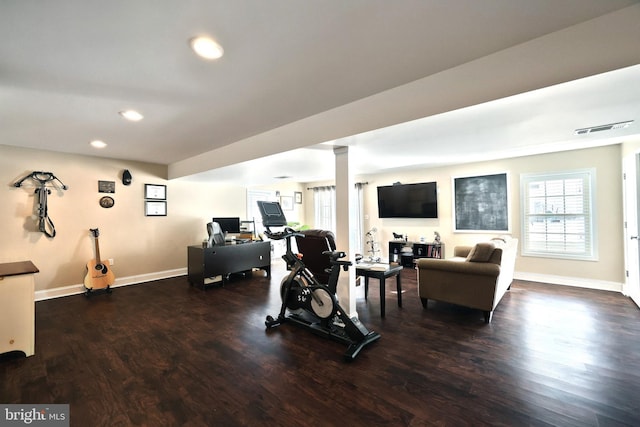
[(152, 208), (155, 192), (298, 196), (106, 186), (480, 203), (286, 202)]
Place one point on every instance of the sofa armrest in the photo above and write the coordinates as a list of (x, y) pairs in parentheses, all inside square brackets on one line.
[(462, 267), (462, 251)]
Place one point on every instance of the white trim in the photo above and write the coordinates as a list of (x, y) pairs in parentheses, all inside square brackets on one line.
[(65, 291), (587, 175), (635, 298), (602, 285), (631, 186)]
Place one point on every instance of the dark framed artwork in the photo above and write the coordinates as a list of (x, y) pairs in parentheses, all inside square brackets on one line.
[(155, 208), (155, 192), (298, 197), (106, 186), (481, 203)]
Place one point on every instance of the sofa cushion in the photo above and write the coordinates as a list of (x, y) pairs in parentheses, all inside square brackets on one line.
[(481, 252)]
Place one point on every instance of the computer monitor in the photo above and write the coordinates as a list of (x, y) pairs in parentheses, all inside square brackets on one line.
[(228, 224), (272, 215)]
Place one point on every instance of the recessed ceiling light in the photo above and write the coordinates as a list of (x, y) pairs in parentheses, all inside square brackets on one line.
[(206, 47), (131, 115), (98, 144)]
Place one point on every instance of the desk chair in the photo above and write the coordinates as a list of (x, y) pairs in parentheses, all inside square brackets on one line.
[(216, 236)]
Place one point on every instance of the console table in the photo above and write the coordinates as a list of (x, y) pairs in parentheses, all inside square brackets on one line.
[(204, 263), (17, 307)]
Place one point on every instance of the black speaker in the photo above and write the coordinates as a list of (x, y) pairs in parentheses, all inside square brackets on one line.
[(126, 177)]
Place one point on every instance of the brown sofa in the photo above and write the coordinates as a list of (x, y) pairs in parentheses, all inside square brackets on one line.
[(476, 277)]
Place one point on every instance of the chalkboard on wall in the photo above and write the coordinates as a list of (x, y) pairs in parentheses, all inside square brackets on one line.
[(481, 203)]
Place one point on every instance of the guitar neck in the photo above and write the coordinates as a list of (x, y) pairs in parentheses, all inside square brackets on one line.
[(98, 261)]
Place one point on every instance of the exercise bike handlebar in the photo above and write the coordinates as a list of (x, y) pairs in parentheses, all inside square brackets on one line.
[(285, 234), (335, 257), (289, 232)]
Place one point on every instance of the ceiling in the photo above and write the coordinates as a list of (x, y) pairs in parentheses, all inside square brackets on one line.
[(403, 83)]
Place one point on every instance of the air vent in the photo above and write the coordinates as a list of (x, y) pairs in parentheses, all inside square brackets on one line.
[(611, 126)]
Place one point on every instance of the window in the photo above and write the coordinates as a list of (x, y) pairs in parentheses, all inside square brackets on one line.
[(253, 213), (324, 200), (557, 211)]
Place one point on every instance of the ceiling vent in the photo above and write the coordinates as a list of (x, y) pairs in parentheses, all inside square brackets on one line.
[(611, 126)]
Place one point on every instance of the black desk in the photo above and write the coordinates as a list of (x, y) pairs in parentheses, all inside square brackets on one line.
[(381, 275), (224, 260)]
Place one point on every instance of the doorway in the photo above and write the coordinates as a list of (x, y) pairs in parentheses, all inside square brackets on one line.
[(631, 197)]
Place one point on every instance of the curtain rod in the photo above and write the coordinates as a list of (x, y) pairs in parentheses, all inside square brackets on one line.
[(322, 187)]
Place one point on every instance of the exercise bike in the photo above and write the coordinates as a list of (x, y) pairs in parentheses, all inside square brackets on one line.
[(309, 303)]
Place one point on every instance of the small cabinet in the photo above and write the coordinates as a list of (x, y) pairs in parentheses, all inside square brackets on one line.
[(428, 250), (17, 307), (405, 253), (397, 249)]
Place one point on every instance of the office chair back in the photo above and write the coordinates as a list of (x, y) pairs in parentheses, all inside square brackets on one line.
[(216, 236), (311, 247)]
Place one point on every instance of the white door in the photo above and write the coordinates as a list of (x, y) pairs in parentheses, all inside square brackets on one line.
[(631, 171)]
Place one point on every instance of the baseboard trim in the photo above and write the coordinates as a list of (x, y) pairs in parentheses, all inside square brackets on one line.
[(635, 298), (65, 291), (602, 285)]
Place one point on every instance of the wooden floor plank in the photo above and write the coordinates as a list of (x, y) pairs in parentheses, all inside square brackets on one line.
[(166, 354)]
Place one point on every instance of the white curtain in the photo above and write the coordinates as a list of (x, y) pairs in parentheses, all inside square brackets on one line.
[(359, 219), (324, 201)]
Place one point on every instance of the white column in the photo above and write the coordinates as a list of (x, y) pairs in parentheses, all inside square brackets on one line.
[(345, 218)]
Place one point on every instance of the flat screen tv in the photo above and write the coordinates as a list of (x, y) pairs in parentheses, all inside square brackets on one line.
[(228, 224), (408, 200)]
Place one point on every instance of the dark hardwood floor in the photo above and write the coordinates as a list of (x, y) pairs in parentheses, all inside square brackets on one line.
[(167, 354)]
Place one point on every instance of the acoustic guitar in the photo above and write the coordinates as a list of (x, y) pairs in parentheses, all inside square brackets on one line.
[(99, 275)]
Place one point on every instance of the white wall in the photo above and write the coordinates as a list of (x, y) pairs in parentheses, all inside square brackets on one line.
[(138, 244), (288, 189), (606, 273), (145, 245)]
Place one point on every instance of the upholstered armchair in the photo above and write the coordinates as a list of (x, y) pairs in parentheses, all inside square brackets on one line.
[(311, 247), (476, 277)]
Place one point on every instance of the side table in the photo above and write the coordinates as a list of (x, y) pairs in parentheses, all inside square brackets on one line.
[(367, 271)]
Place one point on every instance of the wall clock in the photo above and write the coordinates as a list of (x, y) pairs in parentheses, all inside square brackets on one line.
[(107, 201)]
